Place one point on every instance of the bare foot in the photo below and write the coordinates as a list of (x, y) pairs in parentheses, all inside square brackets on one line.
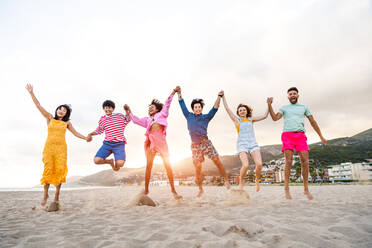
[(200, 193), (177, 196), (288, 195), (257, 185), (309, 196), (44, 200)]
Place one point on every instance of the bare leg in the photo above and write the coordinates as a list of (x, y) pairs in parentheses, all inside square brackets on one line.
[(58, 188), (199, 178), (220, 167), (46, 195), (288, 154), (256, 155), (304, 158), (98, 160), (243, 171), (170, 176), (150, 159), (118, 164)]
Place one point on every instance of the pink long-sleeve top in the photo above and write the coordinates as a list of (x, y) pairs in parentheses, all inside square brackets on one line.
[(160, 117)]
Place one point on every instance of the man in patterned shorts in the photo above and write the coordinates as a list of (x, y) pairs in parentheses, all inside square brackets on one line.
[(197, 124)]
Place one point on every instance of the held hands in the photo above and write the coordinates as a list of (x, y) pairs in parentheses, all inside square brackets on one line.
[(29, 88), (127, 108), (221, 93), (89, 138), (177, 89), (270, 100)]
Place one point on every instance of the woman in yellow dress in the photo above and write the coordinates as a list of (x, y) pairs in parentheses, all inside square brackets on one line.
[(55, 149)]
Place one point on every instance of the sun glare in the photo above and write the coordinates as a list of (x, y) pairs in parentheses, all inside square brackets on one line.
[(173, 158)]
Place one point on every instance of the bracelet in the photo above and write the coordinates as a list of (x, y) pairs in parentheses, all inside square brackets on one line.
[(220, 95)]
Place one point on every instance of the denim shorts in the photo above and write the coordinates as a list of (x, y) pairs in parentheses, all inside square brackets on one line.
[(108, 147)]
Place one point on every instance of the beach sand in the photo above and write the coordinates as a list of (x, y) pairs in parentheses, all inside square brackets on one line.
[(340, 216)]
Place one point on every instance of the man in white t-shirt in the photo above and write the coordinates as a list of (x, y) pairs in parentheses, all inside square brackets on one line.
[(294, 138)]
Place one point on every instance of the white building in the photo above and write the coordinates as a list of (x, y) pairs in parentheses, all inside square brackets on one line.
[(350, 172)]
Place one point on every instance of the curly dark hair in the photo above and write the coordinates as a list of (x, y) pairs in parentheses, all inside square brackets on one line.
[(249, 109), (195, 101), (108, 103), (158, 105), (292, 88), (65, 118)]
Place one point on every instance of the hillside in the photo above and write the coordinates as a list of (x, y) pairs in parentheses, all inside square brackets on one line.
[(347, 149)]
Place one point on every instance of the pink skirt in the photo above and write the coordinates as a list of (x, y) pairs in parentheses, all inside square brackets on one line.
[(155, 141)]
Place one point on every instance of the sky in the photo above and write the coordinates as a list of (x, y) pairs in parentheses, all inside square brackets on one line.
[(84, 52)]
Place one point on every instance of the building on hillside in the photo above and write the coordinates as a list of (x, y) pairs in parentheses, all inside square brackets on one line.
[(267, 175), (345, 172), (279, 176)]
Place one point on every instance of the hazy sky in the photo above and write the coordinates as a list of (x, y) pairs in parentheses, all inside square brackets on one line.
[(84, 52)]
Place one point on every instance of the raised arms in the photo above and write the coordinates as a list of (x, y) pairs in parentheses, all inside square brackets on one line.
[(165, 110), (229, 112), (45, 113), (218, 100), (139, 121), (261, 117), (184, 109), (274, 116)]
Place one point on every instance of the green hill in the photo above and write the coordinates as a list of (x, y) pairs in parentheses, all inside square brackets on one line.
[(348, 149)]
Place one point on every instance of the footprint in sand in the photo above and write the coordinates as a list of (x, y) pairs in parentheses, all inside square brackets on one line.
[(239, 193), (141, 199), (145, 200), (53, 207), (237, 197)]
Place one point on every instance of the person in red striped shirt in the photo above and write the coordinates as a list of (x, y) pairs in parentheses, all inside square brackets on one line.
[(113, 125)]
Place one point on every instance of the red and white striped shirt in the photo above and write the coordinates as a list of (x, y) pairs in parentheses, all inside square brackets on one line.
[(113, 126)]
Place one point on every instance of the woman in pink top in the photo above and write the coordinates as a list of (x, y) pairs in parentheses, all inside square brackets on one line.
[(156, 126)]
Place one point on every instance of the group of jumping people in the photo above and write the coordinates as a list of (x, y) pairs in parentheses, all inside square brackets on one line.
[(113, 125)]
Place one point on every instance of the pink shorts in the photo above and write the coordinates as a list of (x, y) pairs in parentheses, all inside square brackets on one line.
[(294, 140), (155, 141)]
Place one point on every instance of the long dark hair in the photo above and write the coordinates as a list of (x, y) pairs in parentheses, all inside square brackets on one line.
[(65, 118)]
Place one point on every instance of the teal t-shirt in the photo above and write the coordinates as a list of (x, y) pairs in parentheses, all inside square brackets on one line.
[(294, 115)]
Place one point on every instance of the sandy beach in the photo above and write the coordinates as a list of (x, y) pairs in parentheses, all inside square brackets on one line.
[(340, 216)]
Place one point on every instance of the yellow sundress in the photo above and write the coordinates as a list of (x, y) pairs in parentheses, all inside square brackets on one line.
[(55, 154)]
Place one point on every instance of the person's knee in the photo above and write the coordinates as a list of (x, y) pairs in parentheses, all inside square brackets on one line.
[(97, 160), (197, 165), (116, 168), (216, 161), (304, 161), (245, 166), (119, 163), (259, 166)]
